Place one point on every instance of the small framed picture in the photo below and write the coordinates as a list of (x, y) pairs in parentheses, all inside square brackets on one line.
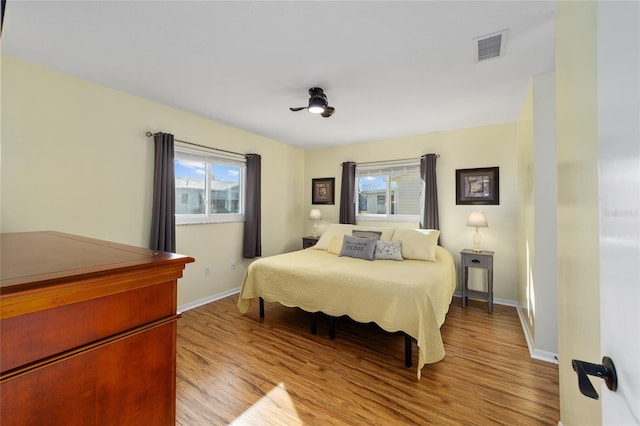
[(323, 191), (478, 186)]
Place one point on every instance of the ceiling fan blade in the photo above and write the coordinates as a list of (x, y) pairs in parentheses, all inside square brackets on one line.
[(297, 108), (328, 112)]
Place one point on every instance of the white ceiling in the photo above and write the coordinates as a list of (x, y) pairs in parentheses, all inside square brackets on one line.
[(390, 68)]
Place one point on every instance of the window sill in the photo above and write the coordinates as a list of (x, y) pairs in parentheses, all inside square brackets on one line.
[(208, 220), (388, 218)]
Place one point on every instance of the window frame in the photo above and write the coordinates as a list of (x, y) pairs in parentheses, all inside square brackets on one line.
[(211, 157), (386, 169)]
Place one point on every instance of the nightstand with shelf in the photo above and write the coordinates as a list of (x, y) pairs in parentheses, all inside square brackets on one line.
[(309, 241), (484, 260)]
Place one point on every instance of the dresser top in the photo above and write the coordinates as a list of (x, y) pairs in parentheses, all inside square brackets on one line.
[(32, 258)]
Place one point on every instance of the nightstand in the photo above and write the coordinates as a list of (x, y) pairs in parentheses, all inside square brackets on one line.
[(309, 241), (484, 260)]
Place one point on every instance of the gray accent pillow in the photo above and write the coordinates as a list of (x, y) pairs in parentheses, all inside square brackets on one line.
[(388, 250), (358, 247), (366, 234)]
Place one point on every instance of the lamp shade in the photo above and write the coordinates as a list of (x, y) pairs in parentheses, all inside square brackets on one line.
[(315, 214), (477, 219)]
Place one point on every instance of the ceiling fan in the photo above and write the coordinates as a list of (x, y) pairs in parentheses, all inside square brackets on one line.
[(317, 103)]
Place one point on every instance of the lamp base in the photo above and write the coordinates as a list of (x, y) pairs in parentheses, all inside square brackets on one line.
[(476, 242), (315, 228)]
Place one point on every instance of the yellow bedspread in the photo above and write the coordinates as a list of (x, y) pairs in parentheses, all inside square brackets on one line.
[(412, 296)]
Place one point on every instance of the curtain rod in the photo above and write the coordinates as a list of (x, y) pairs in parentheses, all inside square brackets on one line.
[(149, 134), (399, 160)]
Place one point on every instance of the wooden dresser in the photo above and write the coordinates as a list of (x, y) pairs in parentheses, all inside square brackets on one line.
[(87, 331)]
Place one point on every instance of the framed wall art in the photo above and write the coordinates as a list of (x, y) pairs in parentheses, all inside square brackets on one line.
[(323, 191), (478, 186)]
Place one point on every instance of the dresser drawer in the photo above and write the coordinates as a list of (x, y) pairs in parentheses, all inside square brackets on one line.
[(37, 335), (477, 260), (125, 381)]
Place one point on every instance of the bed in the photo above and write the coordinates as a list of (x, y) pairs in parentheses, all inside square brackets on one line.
[(410, 294)]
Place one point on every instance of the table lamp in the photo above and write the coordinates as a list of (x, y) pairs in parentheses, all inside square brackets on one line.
[(315, 215), (479, 220)]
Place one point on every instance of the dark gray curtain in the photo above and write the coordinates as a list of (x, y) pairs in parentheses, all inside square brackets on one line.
[(163, 220), (429, 214), (4, 2), (252, 246), (347, 190)]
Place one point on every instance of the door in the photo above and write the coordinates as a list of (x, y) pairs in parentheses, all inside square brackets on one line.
[(619, 195)]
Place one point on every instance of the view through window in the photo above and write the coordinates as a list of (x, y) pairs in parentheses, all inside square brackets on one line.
[(389, 191), (209, 188)]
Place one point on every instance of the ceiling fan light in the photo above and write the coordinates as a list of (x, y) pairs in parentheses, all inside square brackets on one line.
[(316, 105)]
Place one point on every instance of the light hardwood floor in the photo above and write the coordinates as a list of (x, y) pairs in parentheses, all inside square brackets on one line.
[(239, 369)]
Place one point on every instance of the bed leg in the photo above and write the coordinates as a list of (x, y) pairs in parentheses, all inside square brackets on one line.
[(314, 322), (407, 350), (261, 307), (332, 327)]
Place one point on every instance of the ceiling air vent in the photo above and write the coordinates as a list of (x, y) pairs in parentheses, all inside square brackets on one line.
[(490, 46)]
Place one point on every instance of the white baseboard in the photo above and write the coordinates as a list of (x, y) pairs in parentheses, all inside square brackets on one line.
[(209, 299), (533, 352), (505, 302)]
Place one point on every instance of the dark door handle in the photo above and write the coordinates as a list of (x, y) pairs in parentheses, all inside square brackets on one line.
[(606, 371)]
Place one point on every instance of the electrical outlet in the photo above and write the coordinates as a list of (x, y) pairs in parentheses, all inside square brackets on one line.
[(207, 271), (233, 265)]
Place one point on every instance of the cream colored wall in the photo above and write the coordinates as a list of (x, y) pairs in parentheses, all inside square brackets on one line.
[(545, 195), (578, 221), (485, 146), (537, 217), (75, 159), (526, 217)]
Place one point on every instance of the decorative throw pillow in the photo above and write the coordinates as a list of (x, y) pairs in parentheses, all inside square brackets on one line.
[(366, 234), (418, 244), (388, 250), (335, 245), (385, 232), (358, 247)]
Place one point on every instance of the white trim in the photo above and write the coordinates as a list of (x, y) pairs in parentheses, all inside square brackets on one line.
[(504, 302), (209, 299), (200, 219), (388, 218), (201, 151), (386, 167), (533, 352)]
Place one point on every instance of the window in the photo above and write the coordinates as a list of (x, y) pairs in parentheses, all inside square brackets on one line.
[(209, 187), (392, 192)]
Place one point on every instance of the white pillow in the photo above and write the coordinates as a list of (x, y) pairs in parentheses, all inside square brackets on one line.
[(342, 229), (335, 245), (334, 230), (418, 244)]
